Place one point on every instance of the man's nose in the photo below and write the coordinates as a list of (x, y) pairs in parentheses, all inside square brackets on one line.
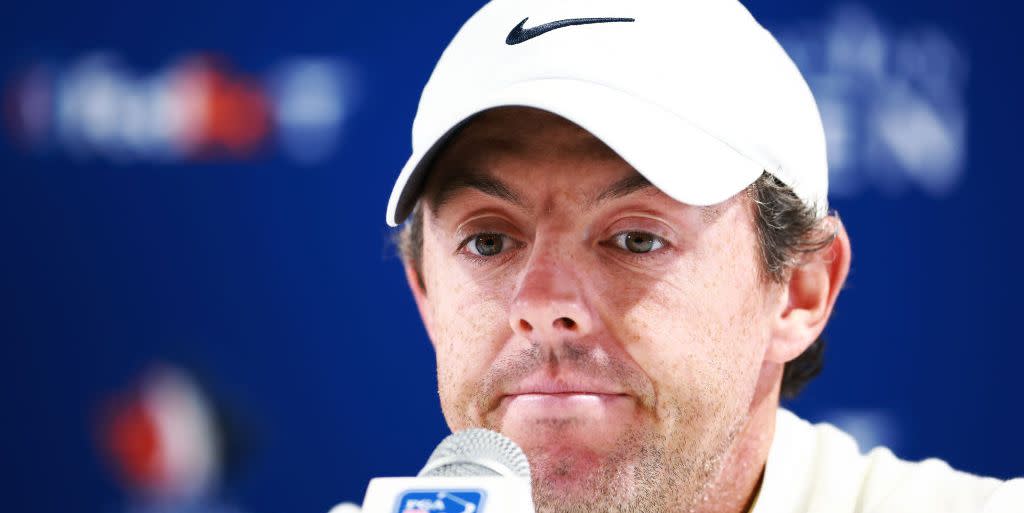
[(549, 305)]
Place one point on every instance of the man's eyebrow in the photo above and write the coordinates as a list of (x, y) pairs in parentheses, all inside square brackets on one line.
[(626, 186), (456, 182), (491, 186)]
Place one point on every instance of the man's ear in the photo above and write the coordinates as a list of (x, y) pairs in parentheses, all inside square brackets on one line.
[(419, 293), (808, 298)]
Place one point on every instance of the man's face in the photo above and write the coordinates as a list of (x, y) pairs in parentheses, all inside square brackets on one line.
[(614, 333)]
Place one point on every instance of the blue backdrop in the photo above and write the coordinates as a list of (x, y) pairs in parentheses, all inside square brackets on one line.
[(276, 277)]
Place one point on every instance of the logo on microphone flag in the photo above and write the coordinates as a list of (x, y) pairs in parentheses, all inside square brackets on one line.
[(440, 501)]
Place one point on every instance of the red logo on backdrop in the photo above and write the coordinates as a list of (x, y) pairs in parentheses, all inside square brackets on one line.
[(234, 114), (132, 438)]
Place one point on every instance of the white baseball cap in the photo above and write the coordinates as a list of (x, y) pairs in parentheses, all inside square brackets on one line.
[(694, 94)]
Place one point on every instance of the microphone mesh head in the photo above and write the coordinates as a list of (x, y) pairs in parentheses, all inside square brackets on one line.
[(475, 452)]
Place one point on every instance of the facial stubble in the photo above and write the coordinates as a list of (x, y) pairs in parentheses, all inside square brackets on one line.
[(646, 471)]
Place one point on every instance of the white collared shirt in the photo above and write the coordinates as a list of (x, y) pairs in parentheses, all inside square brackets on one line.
[(819, 469)]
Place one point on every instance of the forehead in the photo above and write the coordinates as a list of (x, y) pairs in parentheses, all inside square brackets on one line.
[(503, 146)]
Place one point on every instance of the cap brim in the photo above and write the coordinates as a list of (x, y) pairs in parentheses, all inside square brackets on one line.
[(683, 161)]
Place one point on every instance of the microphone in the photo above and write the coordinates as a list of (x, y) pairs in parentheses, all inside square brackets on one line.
[(472, 471), (477, 452)]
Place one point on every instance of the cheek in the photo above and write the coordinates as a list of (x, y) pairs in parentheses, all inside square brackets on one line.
[(699, 330), (469, 327)]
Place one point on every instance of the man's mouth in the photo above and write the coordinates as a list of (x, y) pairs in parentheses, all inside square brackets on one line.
[(577, 405), (572, 396)]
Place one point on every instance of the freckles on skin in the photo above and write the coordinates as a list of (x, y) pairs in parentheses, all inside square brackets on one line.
[(581, 428), (471, 310), (712, 297)]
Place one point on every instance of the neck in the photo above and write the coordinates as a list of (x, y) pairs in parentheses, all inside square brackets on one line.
[(735, 488)]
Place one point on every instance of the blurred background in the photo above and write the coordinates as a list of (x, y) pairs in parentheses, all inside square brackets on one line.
[(202, 311)]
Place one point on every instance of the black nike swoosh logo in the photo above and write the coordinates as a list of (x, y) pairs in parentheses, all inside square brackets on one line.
[(519, 35)]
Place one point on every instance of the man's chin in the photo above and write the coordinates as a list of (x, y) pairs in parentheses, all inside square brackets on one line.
[(575, 479), (583, 462), (570, 455), (566, 446), (579, 447)]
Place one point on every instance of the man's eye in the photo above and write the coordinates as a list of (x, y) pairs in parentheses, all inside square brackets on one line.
[(638, 242), (486, 244)]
